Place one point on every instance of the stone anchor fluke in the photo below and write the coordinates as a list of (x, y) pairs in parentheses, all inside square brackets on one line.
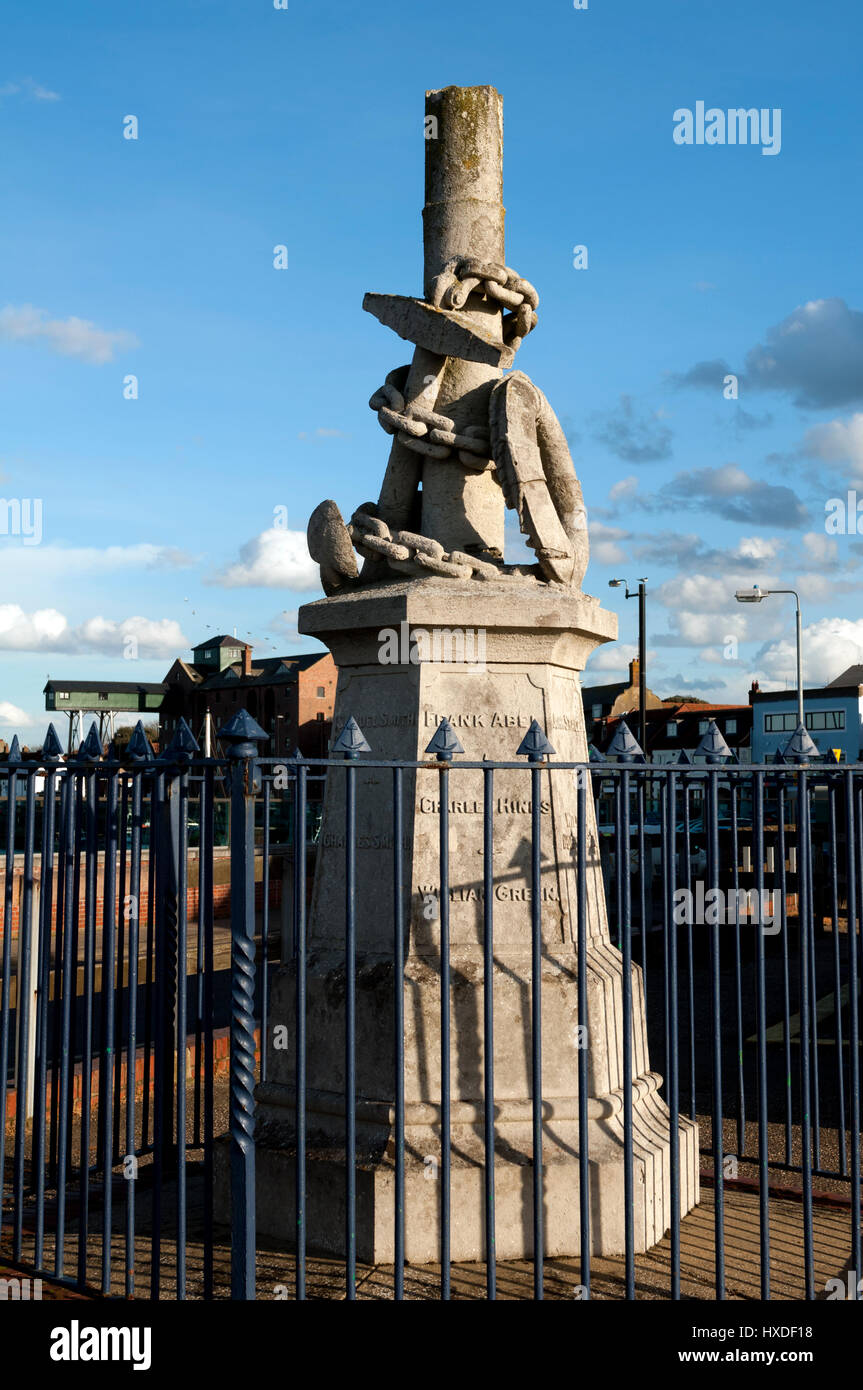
[(445, 332)]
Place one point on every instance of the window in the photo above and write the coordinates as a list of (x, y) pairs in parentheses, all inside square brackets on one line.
[(207, 656), (103, 694), (815, 719), (62, 694), (321, 692), (320, 715), (780, 723), (596, 711), (703, 726), (826, 719), (731, 726), (671, 730)]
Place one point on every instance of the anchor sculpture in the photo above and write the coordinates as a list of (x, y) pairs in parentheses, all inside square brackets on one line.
[(468, 440)]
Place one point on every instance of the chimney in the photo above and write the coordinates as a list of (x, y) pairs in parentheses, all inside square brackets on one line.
[(633, 672), (753, 690), (247, 660)]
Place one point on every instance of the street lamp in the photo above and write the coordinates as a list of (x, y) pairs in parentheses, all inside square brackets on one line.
[(755, 595), (641, 594)]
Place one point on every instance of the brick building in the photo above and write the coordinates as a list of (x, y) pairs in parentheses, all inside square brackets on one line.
[(291, 697), (676, 725)]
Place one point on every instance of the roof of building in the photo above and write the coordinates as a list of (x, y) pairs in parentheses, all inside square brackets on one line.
[(599, 694), (271, 670), (115, 687), (223, 640), (821, 692), (853, 676)]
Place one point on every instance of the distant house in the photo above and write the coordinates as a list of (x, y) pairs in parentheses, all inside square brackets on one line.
[(679, 725), (105, 699), (620, 698), (291, 697), (833, 713)]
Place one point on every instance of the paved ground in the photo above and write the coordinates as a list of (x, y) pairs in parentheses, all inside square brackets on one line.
[(326, 1277)]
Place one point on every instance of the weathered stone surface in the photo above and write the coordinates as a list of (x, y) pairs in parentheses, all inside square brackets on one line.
[(493, 650), (330, 544), (535, 640), (448, 332)]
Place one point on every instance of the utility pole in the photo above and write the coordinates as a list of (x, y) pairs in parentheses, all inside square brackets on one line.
[(641, 594)]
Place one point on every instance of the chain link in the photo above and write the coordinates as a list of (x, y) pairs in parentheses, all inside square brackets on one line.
[(413, 554)]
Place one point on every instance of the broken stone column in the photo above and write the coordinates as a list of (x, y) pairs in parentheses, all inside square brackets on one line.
[(490, 647)]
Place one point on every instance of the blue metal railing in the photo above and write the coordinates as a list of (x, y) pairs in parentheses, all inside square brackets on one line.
[(108, 975)]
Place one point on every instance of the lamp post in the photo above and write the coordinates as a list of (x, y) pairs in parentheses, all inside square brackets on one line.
[(641, 594), (755, 595)]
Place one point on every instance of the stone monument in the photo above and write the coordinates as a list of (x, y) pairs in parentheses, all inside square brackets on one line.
[(437, 625)]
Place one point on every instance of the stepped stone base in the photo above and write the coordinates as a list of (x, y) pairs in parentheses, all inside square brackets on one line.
[(535, 641)]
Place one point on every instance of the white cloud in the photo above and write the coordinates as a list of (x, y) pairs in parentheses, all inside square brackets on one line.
[(829, 646), (25, 86), (30, 565), (48, 630), (11, 714), (838, 441), (275, 559), (72, 337), (613, 658), (603, 543), (626, 488)]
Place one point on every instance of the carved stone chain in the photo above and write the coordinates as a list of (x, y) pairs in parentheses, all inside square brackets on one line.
[(413, 554), (426, 431)]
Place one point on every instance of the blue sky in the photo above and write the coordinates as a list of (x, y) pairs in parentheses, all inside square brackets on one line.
[(259, 127)]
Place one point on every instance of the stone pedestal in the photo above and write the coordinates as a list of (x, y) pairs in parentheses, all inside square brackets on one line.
[(530, 642)]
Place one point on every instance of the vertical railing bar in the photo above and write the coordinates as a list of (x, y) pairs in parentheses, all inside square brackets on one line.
[(446, 1106), (583, 1039), (56, 1043), (350, 1033), (488, 1027), (152, 950), (243, 786), (265, 927), (626, 934), (674, 1064), (536, 1024), (853, 1022), (399, 1034), (761, 1032), (119, 1019), (716, 1002), (76, 924), (640, 780), (841, 1138), (803, 913), (205, 895), (91, 851), (22, 1015), (182, 832), (132, 915), (300, 954), (813, 993), (687, 863), (106, 1083), (198, 1140), (786, 968), (69, 985), (738, 969), (46, 909), (161, 932)]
